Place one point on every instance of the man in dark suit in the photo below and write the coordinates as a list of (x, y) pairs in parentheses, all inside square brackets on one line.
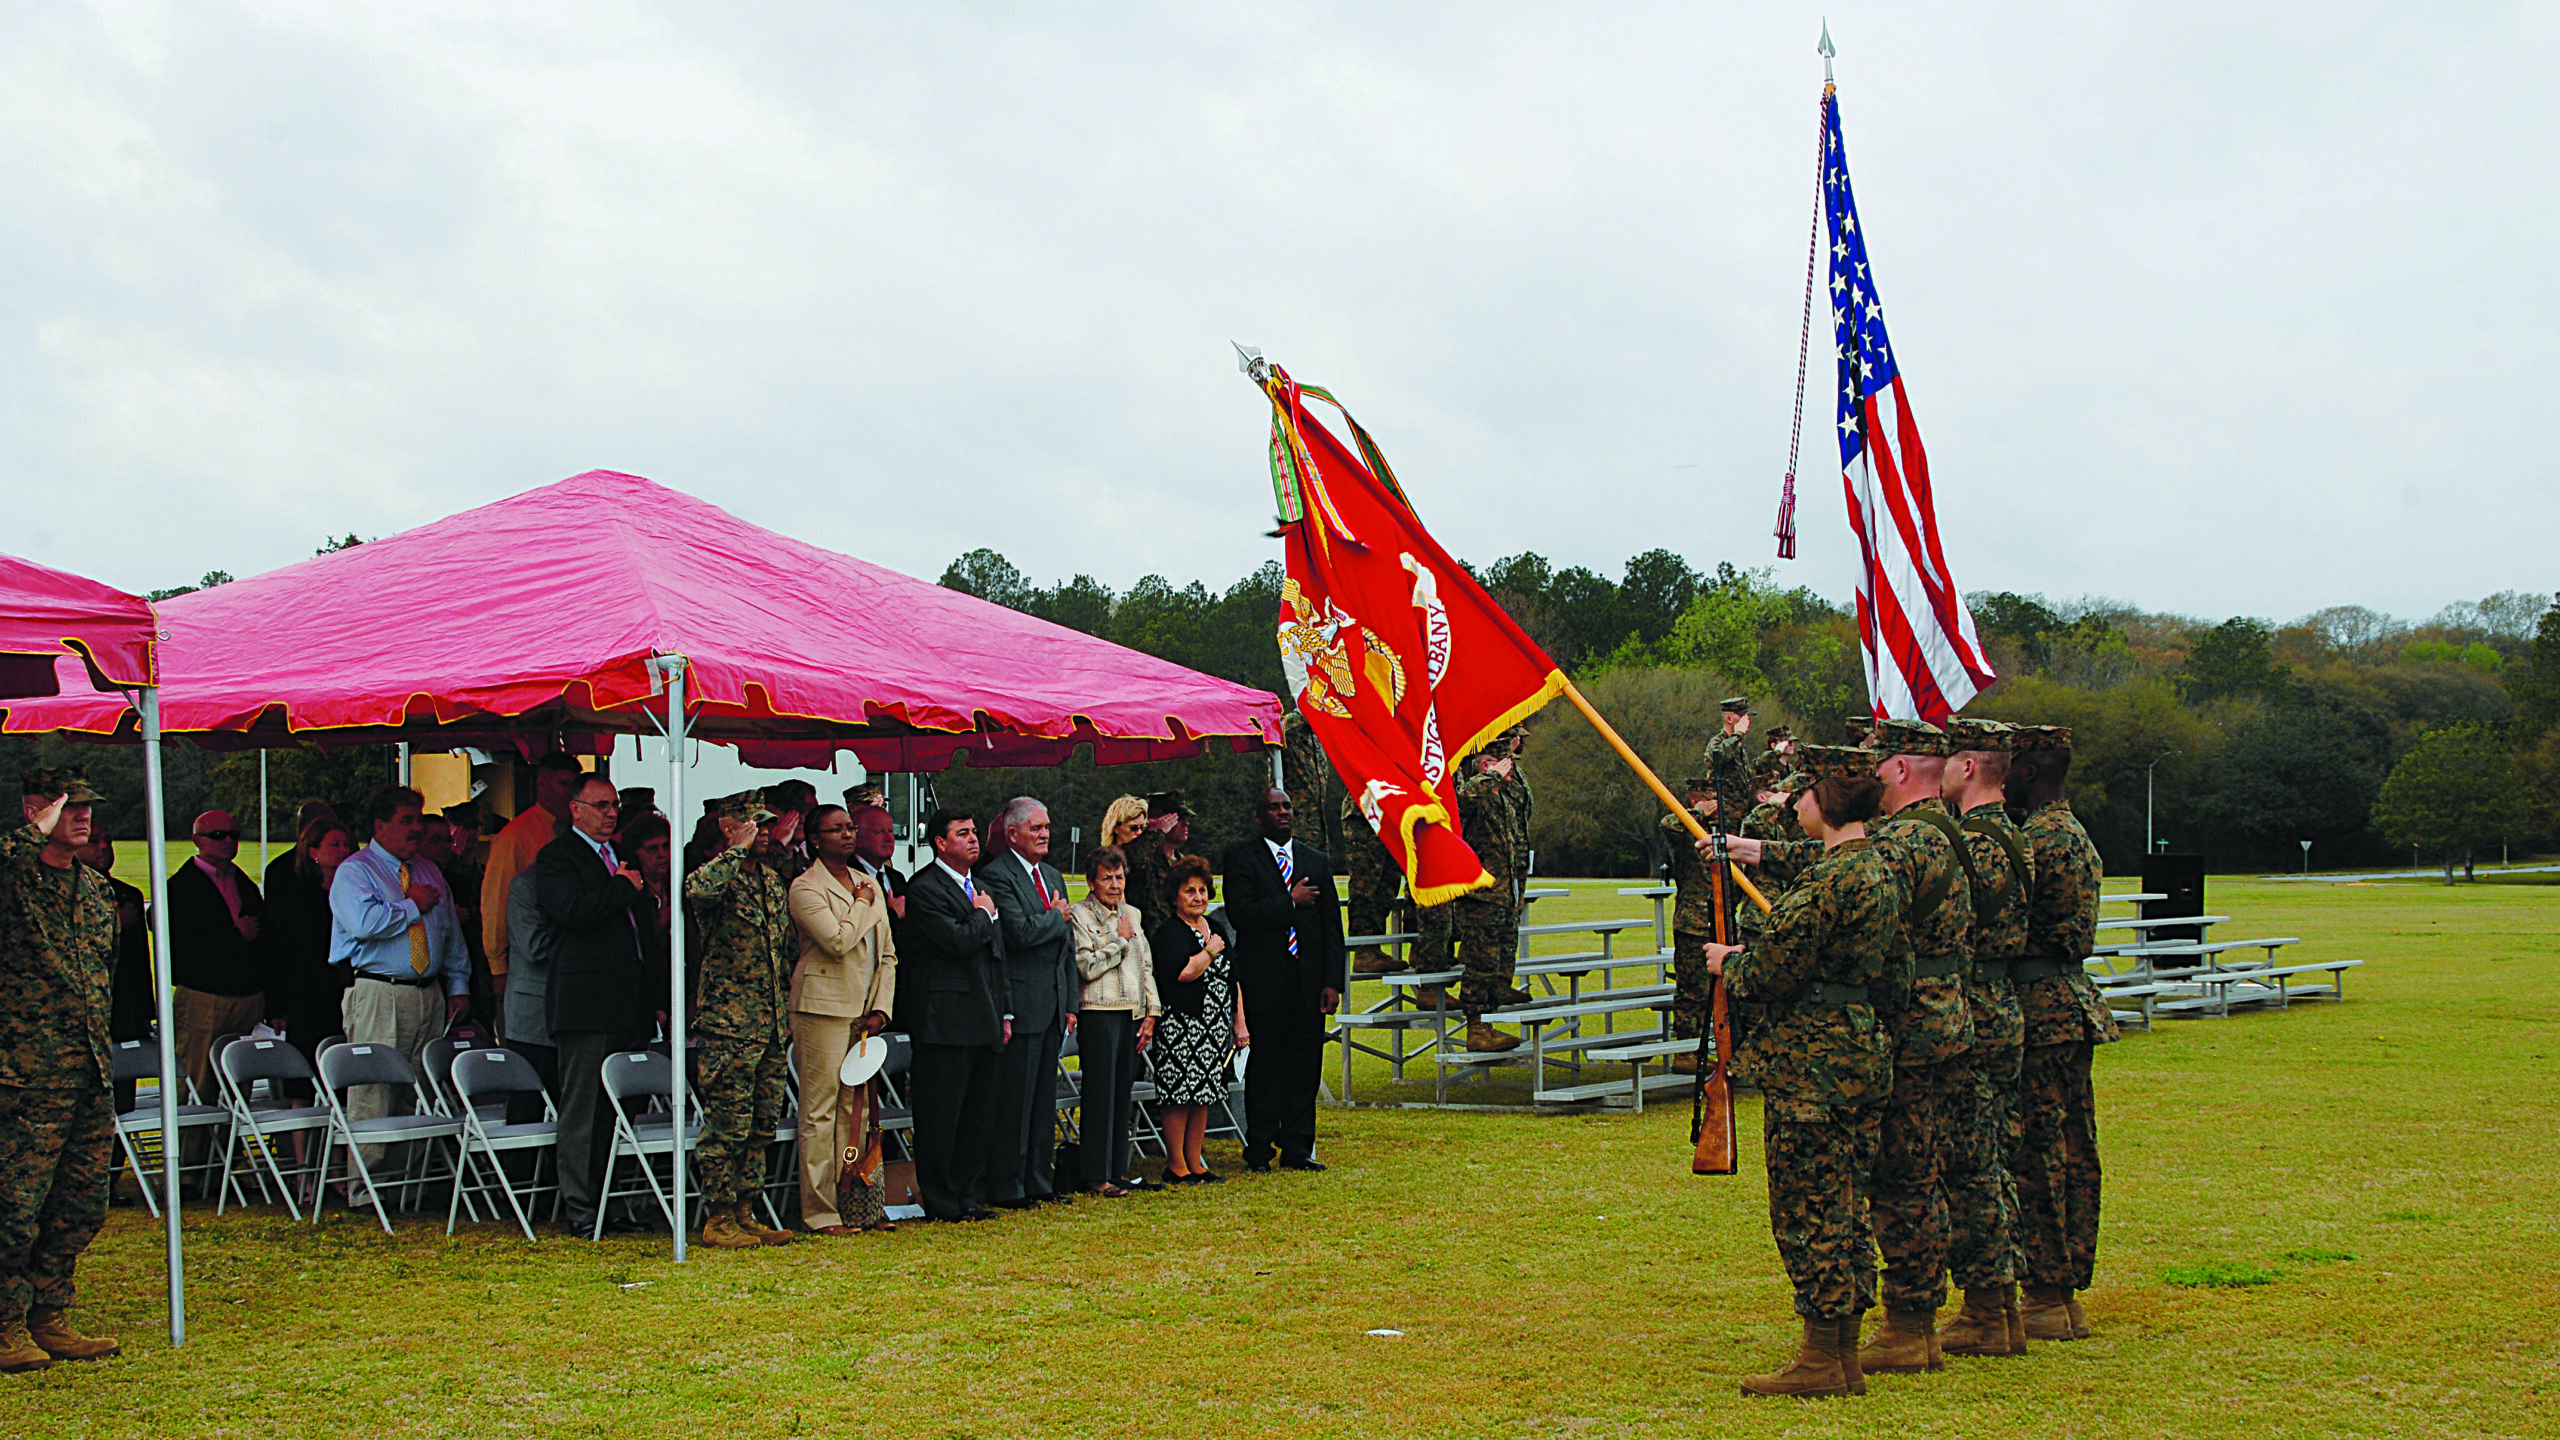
[(1289, 959), (599, 998), (1040, 966), (953, 955), (875, 840), (218, 951)]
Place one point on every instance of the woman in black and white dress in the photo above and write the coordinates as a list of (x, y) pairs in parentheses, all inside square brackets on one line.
[(1203, 1024)]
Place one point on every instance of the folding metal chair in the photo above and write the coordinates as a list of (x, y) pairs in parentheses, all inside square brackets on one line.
[(478, 1077), (631, 1078), (1068, 1093), (1143, 1129), (138, 1060), (368, 1063), (897, 1117), (440, 1056), (255, 1127)]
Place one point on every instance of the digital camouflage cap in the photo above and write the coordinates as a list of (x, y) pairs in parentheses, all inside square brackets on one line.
[(746, 805), (71, 782), (1829, 762), (1985, 736), (1908, 737), (2031, 738)]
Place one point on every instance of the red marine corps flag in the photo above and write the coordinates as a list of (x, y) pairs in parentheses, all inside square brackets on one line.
[(1399, 661)]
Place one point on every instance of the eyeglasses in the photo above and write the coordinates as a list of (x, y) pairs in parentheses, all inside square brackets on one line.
[(614, 805), (217, 834)]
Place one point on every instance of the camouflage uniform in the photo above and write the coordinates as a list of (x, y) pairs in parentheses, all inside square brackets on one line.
[(1729, 766), (57, 1110), (1984, 1252), (749, 947), (1932, 1026), (1493, 814), (1693, 928), (1148, 868), (1375, 880), (2057, 1159), (1308, 777), (1824, 1066), (1786, 853)]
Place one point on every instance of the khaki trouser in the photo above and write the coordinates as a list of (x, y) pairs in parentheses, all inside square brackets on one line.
[(404, 1017), (201, 1017), (831, 1116)]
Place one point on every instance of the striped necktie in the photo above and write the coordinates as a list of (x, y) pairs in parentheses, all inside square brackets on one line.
[(1283, 855), (417, 929)]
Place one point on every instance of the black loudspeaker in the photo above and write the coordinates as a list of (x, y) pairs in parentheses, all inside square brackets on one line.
[(2180, 880)]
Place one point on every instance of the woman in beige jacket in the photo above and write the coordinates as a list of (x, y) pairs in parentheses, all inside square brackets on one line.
[(1118, 1019), (842, 990)]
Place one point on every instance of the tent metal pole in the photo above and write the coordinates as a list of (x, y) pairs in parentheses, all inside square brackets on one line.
[(262, 817), (404, 764), (157, 828), (672, 668)]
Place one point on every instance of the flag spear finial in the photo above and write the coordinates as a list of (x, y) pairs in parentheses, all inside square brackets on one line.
[(1826, 49), (1249, 360)]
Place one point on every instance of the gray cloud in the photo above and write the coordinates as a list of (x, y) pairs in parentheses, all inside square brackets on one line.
[(2221, 309)]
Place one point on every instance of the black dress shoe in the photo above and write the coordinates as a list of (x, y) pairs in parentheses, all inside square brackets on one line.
[(1309, 1163), (1258, 1167), (1054, 1197), (974, 1215), (1024, 1203), (626, 1225)]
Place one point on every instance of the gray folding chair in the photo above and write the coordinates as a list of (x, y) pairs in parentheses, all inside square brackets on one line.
[(366, 1063), (138, 1060), (439, 1056), (479, 1077), (243, 1066), (633, 1078), (897, 1117)]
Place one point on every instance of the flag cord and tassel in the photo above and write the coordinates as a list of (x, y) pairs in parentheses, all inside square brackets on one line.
[(1804, 342), (1660, 791)]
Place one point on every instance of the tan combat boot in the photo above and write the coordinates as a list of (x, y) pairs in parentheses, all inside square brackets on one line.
[(2047, 1313), (1483, 1039), (1850, 1368), (1816, 1371), (48, 1329), (765, 1234), (1906, 1344), (18, 1350), (2017, 1322), (2079, 1318), (1684, 1064), (1982, 1326), (1433, 997), (721, 1232), (1370, 960)]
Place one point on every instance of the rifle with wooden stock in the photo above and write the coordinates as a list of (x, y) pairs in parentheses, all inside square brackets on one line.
[(1711, 1109)]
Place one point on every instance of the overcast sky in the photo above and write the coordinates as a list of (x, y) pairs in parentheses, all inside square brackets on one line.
[(2211, 307)]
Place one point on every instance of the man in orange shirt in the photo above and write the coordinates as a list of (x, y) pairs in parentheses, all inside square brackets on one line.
[(512, 852)]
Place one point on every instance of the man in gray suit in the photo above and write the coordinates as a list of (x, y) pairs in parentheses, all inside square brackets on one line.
[(1040, 965)]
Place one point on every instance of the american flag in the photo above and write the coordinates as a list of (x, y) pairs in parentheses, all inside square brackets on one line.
[(1923, 659)]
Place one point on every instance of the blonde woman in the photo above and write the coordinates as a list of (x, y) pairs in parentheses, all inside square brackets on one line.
[(1123, 823), (1118, 1018), (842, 990)]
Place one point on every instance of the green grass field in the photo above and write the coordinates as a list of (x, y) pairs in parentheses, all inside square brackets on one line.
[(2333, 1220)]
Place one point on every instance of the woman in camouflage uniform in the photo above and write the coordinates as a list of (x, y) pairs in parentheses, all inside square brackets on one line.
[(1823, 1064)]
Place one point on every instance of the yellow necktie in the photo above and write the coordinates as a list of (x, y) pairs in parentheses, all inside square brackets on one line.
[(417, 931)]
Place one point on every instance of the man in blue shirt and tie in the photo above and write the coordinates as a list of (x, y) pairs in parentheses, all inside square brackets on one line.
[(390, 920)]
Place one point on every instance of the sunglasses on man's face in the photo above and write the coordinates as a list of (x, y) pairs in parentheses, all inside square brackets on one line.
[(217, 834)]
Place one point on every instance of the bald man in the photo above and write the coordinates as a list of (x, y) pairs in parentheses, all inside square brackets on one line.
[(217, 945)]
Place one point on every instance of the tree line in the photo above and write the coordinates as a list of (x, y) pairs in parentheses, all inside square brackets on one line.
[(2375, 738)]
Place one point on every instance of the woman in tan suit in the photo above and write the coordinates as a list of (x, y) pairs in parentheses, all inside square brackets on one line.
[(841, 991)]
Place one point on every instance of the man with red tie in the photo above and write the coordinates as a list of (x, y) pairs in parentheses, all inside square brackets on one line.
[(1289, 960), (1040, 968), (599, 1000)]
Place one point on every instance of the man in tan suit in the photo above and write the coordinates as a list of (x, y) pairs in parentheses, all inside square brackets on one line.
[(841, 991)]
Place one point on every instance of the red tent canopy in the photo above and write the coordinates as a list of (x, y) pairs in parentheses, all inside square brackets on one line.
[(46, 614), (538, 615)]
